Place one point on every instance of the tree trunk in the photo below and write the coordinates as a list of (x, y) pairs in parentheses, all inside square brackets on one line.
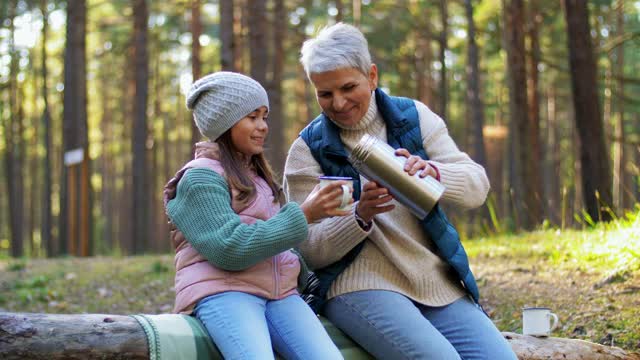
[(52, 337), (107, 203), (339, 10), (123, 194), (240, 24), (444, 88), (476, 106), (13, 139), (154, 204), (596, 172), (32, 158), (533, 59), (526, 200), (552, 182), (75, 214), (161, 161), (301, 92), (4, 208), (423, 59), (46, 223), (178, 145), (257, 40), (538, 348), (227, 40), (196, 68), (620, 183), (578, 199), (357, 12), (82, 336), (635, 159), (139, 170), (277, 123)]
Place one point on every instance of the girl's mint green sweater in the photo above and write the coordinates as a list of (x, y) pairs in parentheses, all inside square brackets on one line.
[(202, 211)]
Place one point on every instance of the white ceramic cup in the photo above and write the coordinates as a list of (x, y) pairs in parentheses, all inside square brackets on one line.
[(537, 321), (347, 189)]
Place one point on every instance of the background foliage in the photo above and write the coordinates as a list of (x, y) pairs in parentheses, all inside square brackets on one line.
[(420, 47)]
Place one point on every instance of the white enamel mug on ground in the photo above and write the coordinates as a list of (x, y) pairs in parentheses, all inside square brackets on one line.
[(347, 189), (538, 321)]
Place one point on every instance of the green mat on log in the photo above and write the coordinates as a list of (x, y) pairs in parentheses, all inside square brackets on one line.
[(176, 337)]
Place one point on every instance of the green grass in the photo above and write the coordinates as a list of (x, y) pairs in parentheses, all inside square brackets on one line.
[(613, 246), (117, 285)]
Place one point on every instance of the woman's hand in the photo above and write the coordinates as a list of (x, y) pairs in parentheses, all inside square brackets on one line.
[(324, 202), (372, 201), (416, 163)]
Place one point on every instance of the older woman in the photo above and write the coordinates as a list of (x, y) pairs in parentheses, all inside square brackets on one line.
[(387, 285)]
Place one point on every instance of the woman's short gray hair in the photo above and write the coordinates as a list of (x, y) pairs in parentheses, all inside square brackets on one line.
[(336, 47)]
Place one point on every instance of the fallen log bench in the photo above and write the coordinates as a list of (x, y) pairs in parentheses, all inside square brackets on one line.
[(169, 336)]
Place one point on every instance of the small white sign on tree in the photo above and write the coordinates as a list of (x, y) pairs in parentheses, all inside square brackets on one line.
[(73, 157)]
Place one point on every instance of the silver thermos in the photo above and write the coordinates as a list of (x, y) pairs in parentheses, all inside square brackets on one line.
[(376, 161)]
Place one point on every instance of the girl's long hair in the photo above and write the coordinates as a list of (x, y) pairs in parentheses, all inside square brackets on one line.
[(237, 172)]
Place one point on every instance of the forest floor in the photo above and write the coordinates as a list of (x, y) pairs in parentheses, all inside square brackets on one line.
[(590, 279)]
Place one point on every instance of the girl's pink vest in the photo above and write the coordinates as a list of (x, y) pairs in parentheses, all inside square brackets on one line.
[(273, 278)]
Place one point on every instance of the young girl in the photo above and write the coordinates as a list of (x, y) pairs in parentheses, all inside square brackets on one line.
[(234, 267)]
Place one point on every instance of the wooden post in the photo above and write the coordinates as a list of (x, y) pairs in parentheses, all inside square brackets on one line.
[(78, 205), (72, 210), (85, 212)]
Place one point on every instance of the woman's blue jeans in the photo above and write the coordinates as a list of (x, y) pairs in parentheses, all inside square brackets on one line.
[(245, 326), (391, 326)]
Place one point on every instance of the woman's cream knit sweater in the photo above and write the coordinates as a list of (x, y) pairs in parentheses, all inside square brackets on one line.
[(397, 256)]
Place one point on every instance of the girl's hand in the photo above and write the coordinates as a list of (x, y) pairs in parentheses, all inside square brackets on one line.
[(416, 163), (324, 202)]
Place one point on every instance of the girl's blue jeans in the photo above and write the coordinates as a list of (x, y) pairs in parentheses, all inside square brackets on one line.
[(391, 326), (245, 326)]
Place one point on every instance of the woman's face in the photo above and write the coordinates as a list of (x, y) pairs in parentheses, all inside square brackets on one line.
[(344, 94), (249, 134)]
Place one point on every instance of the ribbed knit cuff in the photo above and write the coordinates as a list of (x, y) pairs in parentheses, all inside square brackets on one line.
[(347, 231), (451, 179)]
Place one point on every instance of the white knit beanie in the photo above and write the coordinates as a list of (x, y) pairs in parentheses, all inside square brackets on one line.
[(221, 99)]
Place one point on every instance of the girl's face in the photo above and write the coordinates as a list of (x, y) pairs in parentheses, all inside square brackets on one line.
[(344, 94), (249, 134)]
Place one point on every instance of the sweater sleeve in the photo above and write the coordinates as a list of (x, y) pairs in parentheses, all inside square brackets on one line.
[(465, 181), (202, 211), (331, 238)]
